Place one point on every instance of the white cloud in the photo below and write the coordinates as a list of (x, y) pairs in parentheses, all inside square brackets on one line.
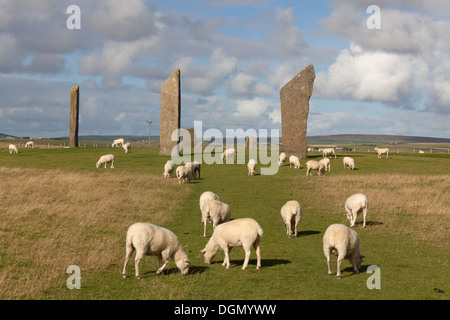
[(251, 108)]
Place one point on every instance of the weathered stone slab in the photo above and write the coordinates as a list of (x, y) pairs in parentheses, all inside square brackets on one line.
[(74, 115), (294, 97), (170, 112), (250, 143)]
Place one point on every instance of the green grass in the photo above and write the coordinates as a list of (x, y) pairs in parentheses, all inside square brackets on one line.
[(412, 264)]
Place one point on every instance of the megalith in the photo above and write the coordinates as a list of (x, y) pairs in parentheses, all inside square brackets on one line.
[(74, 115), (170, 112), (294, 97)]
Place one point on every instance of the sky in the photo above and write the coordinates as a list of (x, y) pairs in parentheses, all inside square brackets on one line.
[(233, 56)]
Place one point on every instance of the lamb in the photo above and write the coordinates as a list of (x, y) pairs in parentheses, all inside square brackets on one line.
[(149, 239), (108, 158), (349, 162), (126, 147), (207, 196), (215, 211), (12, 148), (184, 173), (343, 242), (294, 160), (382, 151), (291, 213), (169, 166), (231, 152), (251, 166), (118, 142), (314, 165), (243, 232), (328, 152), (29, 144), (326, 163), (282, 159), (355, 204), (195, 168)]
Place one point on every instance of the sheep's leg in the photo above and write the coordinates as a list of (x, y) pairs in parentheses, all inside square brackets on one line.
[(326, 251), (128, 252), (112, 164), (247, 257), (137, 260), (339, 261), (257, 246), (364, 216), (226, 260), (166, 261)]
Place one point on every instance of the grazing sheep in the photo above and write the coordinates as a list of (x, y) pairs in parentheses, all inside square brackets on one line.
[(169, 166), (243, 233), (291, 213), (314, 165), (382, 151), (151, 240), (282, 159), (118, 142), (326, 163), (294, 160), (108, 158), (215, 212), (343, 242), (231, 152), (349, 162), (251, 166), (206, 196), (327, 152), (12, 148), (126, 147), (29, 144), (355, 204), (421, 151), (184, 173), (195, 168)]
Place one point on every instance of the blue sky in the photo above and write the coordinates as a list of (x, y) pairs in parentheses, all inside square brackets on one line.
[(234, 56)]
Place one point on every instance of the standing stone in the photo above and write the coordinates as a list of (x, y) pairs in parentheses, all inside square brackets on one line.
[(74, 115), (170, 112), (250, 143), (294, 97)]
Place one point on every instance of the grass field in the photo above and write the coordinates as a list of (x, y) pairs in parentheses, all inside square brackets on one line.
[(59, 210)]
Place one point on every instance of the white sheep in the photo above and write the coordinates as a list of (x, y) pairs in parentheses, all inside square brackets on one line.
[(343, 242), (207, 196), (231, 152), (118, 142), (184, 173), (291, 213), (29, 144), (243, 232), (108, 158), (196, 167), (294, 160), (12, 148), (421, 151), (215, 212), (169, 166), (355, 204), (349, 163), (282, 158), (251, 166), (382, 151), (126, 147), (314, 165), (327, 152), (149, 239), (326, 163)]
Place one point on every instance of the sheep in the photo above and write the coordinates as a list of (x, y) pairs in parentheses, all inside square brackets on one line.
[(355, 204), (149, 239), (207, 196), (327, 152), (421, 151), (251, 166), (215, 212), (291, 213), (29, 144), (118, 143), (349, 162), (169, 166), (231, 152), (294, 160), (282, 159), (106, 159), (314, 165), (243, 232), (184, 173), (195, 168), (326, 163), (12, 148), (126, 147), (343, 242), (382, 151)]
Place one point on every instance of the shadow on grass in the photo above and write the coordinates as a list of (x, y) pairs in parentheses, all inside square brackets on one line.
[(192, 270), (252, 262), (369, 223), (307, 233)]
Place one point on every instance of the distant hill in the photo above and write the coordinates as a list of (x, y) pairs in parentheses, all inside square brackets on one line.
[(3, 135), (348, 139)]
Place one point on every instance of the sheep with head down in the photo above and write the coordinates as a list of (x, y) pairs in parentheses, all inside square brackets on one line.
[(169, 167), (215, 212), (291, 212), (355, 204), (314, 165), (108, 158)]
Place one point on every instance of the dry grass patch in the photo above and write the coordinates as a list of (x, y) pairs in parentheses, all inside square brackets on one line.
[(50, 219)]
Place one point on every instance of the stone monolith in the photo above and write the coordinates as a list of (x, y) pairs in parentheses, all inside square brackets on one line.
[(74, 115)]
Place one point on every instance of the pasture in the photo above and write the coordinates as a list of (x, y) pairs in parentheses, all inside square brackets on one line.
[(59, 210)]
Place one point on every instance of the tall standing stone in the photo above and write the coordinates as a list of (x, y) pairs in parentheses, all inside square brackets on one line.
[(294, 97), (74, 115), (170, 112)]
